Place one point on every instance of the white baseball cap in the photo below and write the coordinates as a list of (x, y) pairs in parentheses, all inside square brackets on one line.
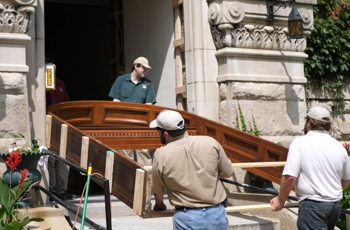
[(143, 61), (319, 113), (168, 120)]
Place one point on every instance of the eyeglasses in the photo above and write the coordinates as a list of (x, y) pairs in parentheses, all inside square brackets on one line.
[(144, 68)]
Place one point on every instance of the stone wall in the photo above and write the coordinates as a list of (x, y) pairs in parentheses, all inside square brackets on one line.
[(13, 108), (341, 114), (278, 109)]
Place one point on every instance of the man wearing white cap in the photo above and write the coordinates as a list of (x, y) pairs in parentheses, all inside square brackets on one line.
[(134, 87), (318, 167), (189, 167)]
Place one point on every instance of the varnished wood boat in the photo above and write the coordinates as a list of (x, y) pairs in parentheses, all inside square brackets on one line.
[(112, 126)]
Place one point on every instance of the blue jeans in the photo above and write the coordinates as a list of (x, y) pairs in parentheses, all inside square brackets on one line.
[(211, 218), (318, 215)]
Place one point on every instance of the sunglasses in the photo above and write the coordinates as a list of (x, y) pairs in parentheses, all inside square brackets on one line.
[(144, 68)]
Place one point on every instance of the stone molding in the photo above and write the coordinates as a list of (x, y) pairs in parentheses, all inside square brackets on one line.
[(15, 15), (241, 24), (256, 37), (13, 52)]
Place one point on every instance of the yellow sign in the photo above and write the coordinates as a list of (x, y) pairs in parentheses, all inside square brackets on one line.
[(49, 77)]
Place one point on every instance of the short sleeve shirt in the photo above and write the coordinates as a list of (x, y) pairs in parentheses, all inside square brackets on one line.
[(124, 89), (189, 168), (319, 162)]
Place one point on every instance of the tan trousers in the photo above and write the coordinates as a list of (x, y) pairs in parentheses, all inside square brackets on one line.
[(141, 156)]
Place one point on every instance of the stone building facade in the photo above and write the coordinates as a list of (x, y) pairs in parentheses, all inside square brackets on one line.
[(231, 51)]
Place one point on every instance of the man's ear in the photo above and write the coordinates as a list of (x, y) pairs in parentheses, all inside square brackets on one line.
[(166, 134)]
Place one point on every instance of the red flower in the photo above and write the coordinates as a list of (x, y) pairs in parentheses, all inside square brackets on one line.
[(14, 159), (23, 177)]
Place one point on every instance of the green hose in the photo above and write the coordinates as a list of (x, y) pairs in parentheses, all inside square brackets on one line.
[(86, 197)]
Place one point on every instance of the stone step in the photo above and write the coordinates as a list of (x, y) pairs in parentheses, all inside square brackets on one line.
[(236, 222), (124, 218)]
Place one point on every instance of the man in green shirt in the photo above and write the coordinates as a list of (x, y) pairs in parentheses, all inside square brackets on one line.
[(134, 86)]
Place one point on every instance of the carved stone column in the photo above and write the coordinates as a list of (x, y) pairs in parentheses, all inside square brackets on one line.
[(260, 65), (15, 17)]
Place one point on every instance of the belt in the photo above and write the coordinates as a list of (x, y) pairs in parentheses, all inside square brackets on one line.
[(316, 201), (183, 207)]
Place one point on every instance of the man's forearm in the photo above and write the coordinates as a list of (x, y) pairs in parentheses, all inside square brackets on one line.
[(345, 183), (159, 201), (159, 197), (287, 183)]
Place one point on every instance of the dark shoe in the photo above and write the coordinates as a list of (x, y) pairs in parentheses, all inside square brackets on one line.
[(69, 196)]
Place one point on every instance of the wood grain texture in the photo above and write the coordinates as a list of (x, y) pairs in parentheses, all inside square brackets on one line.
[(112, 126)]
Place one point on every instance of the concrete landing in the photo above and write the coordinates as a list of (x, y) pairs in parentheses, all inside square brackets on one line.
[(53, 218), (237, 222), (123, 217)]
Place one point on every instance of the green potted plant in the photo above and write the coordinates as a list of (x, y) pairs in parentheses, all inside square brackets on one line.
[(30, 156), (11, 195)]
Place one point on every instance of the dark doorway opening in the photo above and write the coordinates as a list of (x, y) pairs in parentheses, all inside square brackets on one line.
[(85, 42), (77, 39)]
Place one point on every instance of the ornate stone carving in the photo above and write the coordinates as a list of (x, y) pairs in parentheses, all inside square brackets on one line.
[(244, 24), (256, 37), (15, 15), (233, 13)]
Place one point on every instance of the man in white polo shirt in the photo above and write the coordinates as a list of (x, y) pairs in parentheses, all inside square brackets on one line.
[(318, 167)]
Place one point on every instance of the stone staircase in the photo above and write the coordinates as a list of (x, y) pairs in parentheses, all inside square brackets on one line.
[(124, 218)]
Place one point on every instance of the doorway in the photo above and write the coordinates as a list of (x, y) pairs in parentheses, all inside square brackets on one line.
[(77, 39)]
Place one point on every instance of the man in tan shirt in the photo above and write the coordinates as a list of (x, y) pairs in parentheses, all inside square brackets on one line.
[(190, 168)]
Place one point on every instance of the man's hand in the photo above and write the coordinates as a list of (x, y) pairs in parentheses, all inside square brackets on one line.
[(159, 207), (277, 204)]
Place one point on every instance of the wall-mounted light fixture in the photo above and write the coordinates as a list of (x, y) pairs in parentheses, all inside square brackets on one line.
[(295, 21)]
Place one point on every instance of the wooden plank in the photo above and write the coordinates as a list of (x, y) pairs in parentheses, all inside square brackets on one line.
[(255, 207), (180, 90), (165, 213), (109, 168), (179, 42), (259, 164), (84, 152), (138, 193), (63, 142), (48, 130), (246, 165), (177, 26), (347, 221), (177, 3), (243, 208), (147, 210), (148, 168)]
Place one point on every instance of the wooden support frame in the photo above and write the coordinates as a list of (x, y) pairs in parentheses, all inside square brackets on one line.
[(118, 168), (179, 43), (242, 208), (106, 123), (84, 152), (259, 164), (63, 143), (48, 129), (109, 168)]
